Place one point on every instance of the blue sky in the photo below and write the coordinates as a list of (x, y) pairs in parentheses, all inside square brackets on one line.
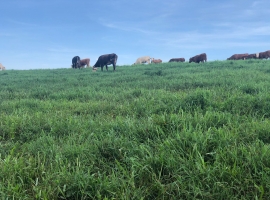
[(39, 34)]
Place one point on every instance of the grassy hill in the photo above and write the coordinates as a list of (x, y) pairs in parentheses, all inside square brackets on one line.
[(165, 131)]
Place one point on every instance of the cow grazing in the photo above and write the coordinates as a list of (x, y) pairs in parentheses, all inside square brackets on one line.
[(2, 67), (253, 55), (84, 62), (153, 60), (238, 56), (106, 60), (76, 62), (144, 59), (198, 58), (177, 60), (265, 55)]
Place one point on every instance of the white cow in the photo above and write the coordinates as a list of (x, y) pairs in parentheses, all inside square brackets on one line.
[(257, 55), (144, 59), (2, 67)]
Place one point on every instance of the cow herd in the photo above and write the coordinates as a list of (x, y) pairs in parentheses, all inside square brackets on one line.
[(261, 55), (103, 60), (111, 59)]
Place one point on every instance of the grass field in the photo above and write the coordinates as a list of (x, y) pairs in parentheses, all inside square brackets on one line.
[(165, 131)]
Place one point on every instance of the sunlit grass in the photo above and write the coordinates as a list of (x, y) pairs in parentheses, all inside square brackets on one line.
[(168, 131)]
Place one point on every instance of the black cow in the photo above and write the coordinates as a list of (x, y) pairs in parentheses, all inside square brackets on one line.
[(106, 59), (265, 55), (198, 58), (76, 62)]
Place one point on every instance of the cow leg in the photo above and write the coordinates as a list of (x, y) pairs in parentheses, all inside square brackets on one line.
[(78, 63), (107, 67), (101, 68), (113, 67)]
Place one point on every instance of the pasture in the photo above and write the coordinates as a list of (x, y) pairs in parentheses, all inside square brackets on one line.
[(166, 131)]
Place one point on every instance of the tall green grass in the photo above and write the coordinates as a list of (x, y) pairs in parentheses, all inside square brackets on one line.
[(167, 131)]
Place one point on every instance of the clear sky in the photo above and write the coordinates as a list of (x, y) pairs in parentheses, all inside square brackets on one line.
[(42, 34)]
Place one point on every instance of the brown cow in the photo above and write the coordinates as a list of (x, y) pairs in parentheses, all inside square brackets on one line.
[(84, 62), (265, 55), (238, 56), (198, 58), (156, 61), (177, 60), (253, 55)]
